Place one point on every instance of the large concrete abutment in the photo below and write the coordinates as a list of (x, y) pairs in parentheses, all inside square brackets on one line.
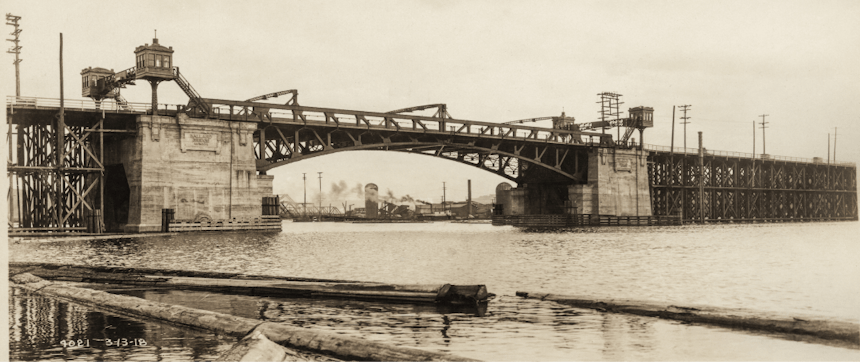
[(617, 184), (204, 169)]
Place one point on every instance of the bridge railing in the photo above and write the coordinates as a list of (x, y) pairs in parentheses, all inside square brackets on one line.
[(110, 106), (695, 151)]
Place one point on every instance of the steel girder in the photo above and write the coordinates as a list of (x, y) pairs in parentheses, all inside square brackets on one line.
[(743, 190)]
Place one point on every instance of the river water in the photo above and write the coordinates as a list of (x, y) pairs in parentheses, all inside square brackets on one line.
[(789, 269)]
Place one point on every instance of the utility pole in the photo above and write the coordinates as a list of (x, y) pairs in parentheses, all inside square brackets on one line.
[(672, 142), (828, 148), (835, 133), (669, 200), (320, 174), (684, 162), (752, 166), (753, 140), (684, 109), (13, 20), (305, 200), (60, 131), (763, 139), (701, 180)]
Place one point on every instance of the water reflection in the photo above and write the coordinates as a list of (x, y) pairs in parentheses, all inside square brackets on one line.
[(39, 326), (512, 329)]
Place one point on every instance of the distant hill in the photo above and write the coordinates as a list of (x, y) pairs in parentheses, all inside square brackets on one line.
[(486, 199)]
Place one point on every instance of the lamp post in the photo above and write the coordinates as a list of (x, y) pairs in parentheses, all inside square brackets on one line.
[(320, 175)]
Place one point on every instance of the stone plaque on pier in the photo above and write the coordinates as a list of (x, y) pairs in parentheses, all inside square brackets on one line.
[(200, 141)]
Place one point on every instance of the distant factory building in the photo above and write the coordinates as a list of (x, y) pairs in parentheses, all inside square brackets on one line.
[(458, 210)]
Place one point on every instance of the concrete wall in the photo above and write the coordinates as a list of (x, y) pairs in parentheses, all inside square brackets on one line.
[(202, 168), (518, 201), (617, 184), (513, 200)]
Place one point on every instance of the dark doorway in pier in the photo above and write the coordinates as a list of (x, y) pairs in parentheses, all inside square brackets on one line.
[(547, 190), (545, 198), (116, 197)]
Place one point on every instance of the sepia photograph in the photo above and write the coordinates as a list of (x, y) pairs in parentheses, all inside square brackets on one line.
[(431, 180)]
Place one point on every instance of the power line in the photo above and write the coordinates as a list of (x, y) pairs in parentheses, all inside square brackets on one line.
[(719, 121)]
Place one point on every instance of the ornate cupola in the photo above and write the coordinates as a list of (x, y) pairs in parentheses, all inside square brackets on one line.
[(154, 64)]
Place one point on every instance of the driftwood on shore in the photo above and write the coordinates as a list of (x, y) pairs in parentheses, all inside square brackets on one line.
[(259, 285), (840, 332), (326, 343)]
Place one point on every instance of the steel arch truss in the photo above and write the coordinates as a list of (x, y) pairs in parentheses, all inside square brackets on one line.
[(276, 145)]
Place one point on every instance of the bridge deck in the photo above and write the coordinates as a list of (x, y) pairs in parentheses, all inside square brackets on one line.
[(79, 112)]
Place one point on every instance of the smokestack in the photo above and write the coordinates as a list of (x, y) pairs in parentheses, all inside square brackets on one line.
[(371, 199), (469, 200)]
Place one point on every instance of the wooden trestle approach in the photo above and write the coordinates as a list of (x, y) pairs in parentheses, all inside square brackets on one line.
[(740, 188)]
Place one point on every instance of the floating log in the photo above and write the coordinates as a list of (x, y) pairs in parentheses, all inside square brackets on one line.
[(822, 329), (255, 347), (327, 343), (470, 295)]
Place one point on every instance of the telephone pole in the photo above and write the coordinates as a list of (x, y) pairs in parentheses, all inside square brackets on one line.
[(305, 200), (684, 109), (320, 174), (753, 140), (835, 133), (13, 20), (763, 139), (672, 142)]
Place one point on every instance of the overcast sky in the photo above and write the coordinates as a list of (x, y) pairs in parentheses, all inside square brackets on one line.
[(495, 61)]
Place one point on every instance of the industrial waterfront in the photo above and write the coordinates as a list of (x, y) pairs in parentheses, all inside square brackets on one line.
[(799, 270)]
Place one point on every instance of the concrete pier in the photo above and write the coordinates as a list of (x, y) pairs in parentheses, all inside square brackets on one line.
[(204, 169), (617, 185)]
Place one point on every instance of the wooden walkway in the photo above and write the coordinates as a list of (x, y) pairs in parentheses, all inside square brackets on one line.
[(265, 222), (583, 220)]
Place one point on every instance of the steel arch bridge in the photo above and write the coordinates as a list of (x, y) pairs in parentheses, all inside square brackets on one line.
[(291, 133)]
